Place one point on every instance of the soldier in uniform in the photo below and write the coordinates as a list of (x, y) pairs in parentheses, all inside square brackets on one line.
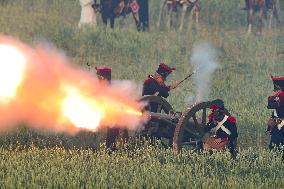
[(104, 75), (224, 128), (155, 84), (276, 122)]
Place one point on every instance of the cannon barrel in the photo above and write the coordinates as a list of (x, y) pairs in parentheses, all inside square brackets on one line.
[(154, 115), (165, 118)]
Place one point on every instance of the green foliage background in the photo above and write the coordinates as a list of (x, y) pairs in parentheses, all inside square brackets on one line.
[(243, 81)]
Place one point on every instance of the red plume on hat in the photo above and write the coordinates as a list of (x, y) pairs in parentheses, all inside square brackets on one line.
[(164, 70), (104, 72)]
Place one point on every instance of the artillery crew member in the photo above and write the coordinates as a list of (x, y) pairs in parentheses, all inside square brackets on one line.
[(276, 122), (224, 128), (104, 75), (155, 84)]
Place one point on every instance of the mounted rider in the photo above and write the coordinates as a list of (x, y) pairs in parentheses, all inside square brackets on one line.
[(224, 129), (276, 123)]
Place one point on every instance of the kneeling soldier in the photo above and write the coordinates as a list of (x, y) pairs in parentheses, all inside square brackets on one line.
[(276, 122), (224, 128)]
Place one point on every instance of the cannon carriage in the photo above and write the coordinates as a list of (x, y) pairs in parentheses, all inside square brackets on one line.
[(177, 129)]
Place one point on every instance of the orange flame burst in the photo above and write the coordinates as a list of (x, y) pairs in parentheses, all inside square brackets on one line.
[(40, 88), (15, 64)]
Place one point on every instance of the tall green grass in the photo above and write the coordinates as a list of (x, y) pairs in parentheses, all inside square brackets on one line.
[(144, 167)]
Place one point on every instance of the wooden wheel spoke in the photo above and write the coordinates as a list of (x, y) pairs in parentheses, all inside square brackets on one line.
[(195, 120), (203, 117), (192, 131), (159, 108), (188, 129)]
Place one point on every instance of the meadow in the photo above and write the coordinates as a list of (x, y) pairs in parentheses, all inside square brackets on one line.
[(34, 159)]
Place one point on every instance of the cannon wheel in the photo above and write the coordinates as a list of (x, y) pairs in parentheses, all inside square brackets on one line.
[(189, 129), (164, 107)]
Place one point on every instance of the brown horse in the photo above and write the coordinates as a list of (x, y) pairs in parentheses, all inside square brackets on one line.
[(265, 8), (190, 7)]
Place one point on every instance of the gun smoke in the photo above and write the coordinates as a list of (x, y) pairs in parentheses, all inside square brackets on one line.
[(204, 60), (40, 88)]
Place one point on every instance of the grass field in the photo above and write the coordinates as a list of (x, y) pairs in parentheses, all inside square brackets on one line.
[(243, 81)]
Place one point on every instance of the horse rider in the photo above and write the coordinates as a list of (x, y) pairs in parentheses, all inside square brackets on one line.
[(224, 129), (104, 75), (276, 122)]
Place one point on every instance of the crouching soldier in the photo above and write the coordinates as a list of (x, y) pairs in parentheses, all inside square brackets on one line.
[(276, 122), (224, 129)]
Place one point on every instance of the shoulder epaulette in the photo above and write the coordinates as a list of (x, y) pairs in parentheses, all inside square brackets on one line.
[(148, 80), (210, 116), (231, 119)]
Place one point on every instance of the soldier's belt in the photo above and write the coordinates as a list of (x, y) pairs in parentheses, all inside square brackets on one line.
[(277, 120), (280, 125)]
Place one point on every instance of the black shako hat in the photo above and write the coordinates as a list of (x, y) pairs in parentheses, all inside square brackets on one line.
[(164, 70), (217, 104)]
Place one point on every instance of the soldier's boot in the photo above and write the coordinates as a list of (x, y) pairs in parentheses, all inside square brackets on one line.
[(233, 148)]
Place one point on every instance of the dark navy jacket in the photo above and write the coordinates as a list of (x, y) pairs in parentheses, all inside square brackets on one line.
[(151, 87), (277, 103), (230, 124)]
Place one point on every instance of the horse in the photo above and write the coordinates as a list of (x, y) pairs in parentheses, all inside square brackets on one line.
[(190, 7), (111, 9), (263, 7)]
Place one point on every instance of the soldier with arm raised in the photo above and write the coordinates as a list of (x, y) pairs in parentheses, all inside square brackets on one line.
[(155, 84)]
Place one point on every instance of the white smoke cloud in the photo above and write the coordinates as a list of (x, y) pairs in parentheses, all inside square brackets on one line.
[(204, 60)]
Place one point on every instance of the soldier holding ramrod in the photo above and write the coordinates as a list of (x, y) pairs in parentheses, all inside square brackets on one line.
[(155, 84)]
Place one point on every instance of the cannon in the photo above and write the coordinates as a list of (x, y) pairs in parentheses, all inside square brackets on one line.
[(177, 129)]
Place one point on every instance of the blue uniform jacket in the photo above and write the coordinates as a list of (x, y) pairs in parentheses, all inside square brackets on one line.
[(151, 86), (277, 103), (230, 124)]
